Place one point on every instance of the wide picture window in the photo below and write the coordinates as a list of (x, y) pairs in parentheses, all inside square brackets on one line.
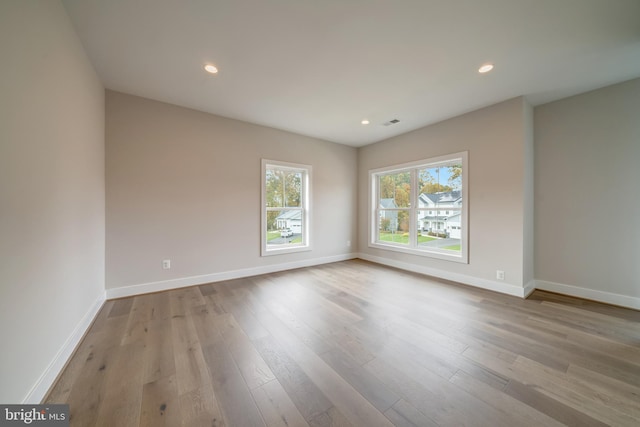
[(421, 208), (285, 207)]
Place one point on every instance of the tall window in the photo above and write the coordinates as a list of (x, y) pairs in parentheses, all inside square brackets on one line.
[(285, 207), (421, 207)]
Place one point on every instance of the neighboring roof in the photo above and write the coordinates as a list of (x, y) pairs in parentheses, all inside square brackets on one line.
[(450, 198), (293, 215), (388, 203)]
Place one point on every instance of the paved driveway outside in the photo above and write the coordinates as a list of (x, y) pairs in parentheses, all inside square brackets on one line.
[(283, 240), (441, 242)]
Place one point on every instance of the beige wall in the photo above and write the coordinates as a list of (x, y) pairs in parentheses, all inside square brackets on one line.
[(495, 139), (51, 195), (587, 213), (185, 185)]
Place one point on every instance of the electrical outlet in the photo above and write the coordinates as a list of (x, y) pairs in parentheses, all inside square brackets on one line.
[(499, 274), (166, 264), (348, 243)]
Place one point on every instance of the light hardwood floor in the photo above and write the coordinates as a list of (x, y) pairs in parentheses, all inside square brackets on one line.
[(354, 343)]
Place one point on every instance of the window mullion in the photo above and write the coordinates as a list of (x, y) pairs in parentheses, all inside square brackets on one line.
[(413, 203)]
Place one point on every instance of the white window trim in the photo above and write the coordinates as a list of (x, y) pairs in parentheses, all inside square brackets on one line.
[(412, 248), (267, 250)]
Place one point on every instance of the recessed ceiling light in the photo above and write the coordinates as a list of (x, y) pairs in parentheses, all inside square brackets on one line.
[(365, 122), (485, 68), (211, 69)]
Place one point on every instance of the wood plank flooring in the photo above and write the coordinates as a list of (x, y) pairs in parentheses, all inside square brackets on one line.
[(354, 344)]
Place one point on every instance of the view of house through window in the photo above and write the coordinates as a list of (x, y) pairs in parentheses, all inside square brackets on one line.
[(394, 191), (421, 207), (285, 216)]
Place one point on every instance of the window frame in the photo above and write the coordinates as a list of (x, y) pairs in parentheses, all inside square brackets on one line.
[(412, 247), (305, 202)]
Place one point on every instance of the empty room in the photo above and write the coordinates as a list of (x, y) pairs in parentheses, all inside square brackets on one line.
[(320, 213)]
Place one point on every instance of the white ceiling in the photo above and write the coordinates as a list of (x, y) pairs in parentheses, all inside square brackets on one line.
[(318, 67)]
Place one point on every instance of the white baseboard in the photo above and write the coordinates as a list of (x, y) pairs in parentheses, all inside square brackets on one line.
[(529, 288), (590, 294), (164, 285), (491, 285), (50, 374)]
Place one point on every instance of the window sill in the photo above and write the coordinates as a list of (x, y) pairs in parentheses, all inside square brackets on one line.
[(442, 254), (286, 250)]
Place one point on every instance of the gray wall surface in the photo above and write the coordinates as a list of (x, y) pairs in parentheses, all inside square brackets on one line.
[(587, 204), (495, 138), (51, 191), (185, 185)]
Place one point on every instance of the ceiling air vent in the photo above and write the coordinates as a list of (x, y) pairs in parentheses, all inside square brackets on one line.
[(391, 122)]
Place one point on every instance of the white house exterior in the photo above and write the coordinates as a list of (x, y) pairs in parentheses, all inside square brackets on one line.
[(290, 219), (440, 213), (454, 229)]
